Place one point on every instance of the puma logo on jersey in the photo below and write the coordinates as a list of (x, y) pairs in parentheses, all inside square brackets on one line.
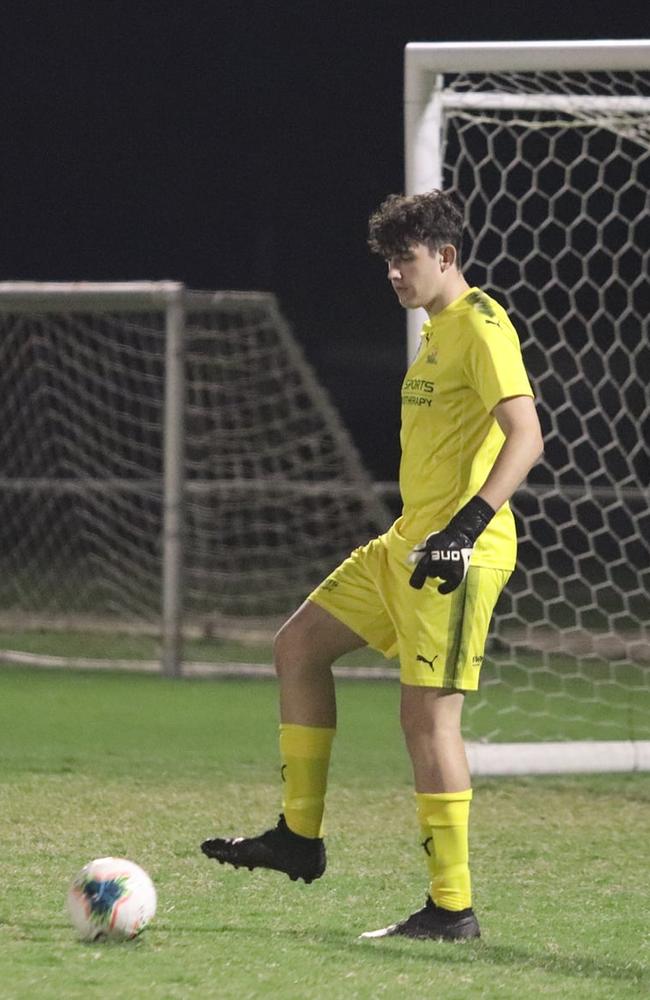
[(423, 659)]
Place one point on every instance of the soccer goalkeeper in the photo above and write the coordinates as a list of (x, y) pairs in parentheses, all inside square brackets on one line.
[(424, 591)]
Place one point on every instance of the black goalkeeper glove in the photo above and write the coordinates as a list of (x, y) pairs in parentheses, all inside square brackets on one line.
[(446, 554)]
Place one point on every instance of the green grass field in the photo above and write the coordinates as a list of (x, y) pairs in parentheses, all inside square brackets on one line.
[(132, 765), (537, 698)]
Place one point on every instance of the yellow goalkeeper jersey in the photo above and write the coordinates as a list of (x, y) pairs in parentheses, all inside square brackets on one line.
[(469, 360)]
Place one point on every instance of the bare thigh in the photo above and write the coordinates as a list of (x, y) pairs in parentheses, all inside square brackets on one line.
[(312, 637)]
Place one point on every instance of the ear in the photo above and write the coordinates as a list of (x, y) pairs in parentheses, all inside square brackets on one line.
[(448, 256)]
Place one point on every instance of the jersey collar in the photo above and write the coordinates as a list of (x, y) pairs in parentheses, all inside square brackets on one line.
[(431, 324)]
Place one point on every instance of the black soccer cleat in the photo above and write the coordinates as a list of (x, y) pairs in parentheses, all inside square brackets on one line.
[(434, 923), (279, 849)]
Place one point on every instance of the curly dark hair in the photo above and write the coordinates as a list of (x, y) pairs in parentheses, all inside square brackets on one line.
[(401, 221)]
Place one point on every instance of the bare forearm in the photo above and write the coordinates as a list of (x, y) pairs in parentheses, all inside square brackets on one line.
[(521, 450), (523, 445)]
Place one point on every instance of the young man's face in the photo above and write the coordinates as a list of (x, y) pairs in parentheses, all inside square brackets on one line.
[(418, 276)]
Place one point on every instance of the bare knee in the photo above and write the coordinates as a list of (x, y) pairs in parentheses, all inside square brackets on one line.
[(430, 713), (298, 647), (294, 647)]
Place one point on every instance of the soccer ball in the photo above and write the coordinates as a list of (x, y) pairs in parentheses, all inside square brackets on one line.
[(111, 899)]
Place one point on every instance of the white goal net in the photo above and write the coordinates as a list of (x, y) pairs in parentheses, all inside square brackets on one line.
[(103, 524), (553, 167)]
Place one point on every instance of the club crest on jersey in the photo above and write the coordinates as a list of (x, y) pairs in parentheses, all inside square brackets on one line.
[(432, 356)]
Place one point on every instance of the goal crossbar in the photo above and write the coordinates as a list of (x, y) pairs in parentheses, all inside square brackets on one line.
[(497, 100), (80, 296), (101, 296), (529, 57)]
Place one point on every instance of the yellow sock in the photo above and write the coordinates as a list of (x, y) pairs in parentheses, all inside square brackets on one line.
[(444, 825), (305, 754)]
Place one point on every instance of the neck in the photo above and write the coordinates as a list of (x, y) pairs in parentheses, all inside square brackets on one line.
[(453, 290)]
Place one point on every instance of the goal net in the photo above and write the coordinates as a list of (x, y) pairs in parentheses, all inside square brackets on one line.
[(164, 452), (549, 150)]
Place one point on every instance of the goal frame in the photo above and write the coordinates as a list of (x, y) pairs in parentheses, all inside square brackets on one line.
[(425, 103), (178, 315)]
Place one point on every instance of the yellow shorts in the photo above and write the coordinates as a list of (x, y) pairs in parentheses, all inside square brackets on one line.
[(440, 639)]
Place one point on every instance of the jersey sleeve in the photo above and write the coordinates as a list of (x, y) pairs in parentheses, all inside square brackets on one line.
[(494, 367)]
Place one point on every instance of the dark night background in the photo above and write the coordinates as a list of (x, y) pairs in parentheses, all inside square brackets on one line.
[(236, 145)]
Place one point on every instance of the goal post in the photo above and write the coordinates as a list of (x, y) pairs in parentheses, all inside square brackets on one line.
[(174, 483), (547, 145)]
